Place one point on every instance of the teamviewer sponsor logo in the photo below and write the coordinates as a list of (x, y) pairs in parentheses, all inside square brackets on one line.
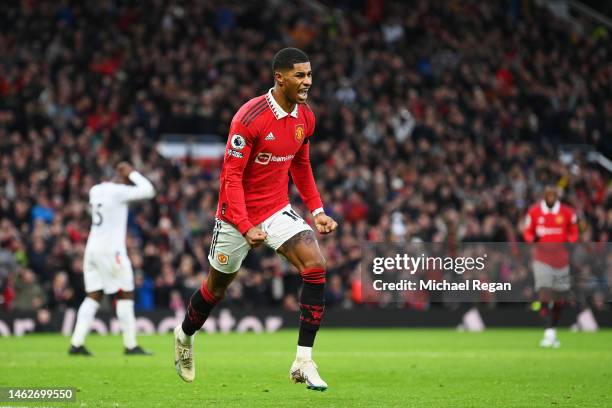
[(265, 158), (542, 230), (282, 158)]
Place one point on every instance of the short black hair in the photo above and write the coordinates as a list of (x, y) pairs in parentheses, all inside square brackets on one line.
[(285, 58)]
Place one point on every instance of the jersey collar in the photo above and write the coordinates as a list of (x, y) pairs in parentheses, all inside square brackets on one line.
[(553, 210), (279, 112)]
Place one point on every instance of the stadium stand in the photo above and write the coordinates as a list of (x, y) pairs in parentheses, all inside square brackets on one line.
[(436, 121)]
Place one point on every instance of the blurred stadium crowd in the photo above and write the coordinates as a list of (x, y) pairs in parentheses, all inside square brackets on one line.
[(436, 121)]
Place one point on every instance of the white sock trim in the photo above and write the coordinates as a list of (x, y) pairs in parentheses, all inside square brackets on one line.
[(304, 353), (185, 339), (85, 317), (127, 322)]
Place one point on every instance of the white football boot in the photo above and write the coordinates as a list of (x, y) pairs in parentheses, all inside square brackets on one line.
[(550, 339), (183, 358), (305, 371)]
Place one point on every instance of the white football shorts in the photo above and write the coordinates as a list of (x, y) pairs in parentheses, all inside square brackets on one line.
[(229, 248), (109, 271), (548, 277)]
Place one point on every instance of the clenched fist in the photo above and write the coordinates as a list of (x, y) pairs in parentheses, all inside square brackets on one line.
[(324, 223), (255, 237)]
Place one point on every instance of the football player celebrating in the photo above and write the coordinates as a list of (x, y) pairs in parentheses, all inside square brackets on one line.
[(269, 139)]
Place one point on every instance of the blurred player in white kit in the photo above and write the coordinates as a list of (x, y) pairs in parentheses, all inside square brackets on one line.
[(107, 268)]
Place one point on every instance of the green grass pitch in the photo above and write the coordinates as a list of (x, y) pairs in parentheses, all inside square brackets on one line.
[(364, 368)]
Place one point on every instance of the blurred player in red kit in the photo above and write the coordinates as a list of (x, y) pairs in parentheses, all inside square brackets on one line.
[(552, 224), (269, 139)]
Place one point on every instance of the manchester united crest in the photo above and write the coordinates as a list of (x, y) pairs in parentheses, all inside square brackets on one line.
[(559, 219), (222, 258), (299, 133)]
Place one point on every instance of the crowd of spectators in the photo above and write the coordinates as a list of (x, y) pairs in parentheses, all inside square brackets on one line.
[(436, 121)]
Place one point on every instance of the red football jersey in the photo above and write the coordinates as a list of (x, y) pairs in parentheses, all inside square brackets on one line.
[(265, 144), (551, 225)]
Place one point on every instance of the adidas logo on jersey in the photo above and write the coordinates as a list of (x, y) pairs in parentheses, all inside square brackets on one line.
[(270, 137)]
